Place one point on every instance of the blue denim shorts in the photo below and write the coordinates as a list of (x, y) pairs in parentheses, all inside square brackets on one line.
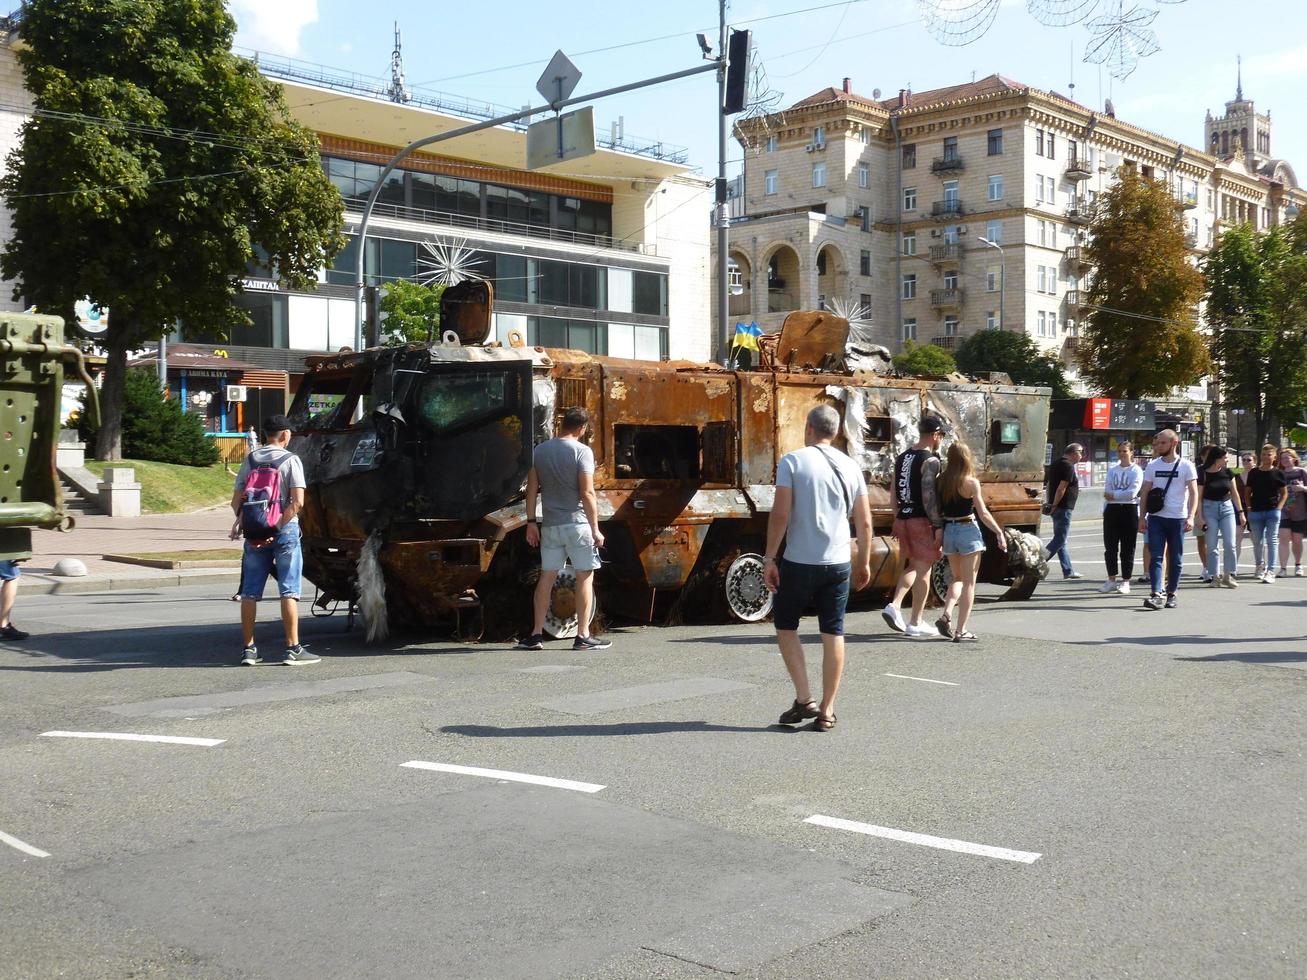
[(825, 586), (9, 571), (282, 556), (962, 538)]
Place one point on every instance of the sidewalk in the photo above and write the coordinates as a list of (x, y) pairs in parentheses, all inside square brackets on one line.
[(96, 535)]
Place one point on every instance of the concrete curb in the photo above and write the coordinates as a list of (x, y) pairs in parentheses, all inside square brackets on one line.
[(36, 584)]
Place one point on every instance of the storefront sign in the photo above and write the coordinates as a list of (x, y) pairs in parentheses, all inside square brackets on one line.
[(1098, 413), (203, 373), (261, 285), (1133, 415)]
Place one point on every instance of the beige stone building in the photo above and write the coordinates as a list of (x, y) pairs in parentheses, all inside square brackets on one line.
[(965, 208)]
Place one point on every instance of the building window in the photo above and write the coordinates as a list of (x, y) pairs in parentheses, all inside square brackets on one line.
[(1041, 323), (951, 193), (1210, 203), (1041, 281), (951, 279), (1039, 189), (994, 231), (864, 175), (909, 331), (910, 286), (993, 277), (864, 263), (735, 277), (769, 181), (818, 135), (951, 234), (864, 301), (991, 320), (864, 135), (950, 148), (909, 243), (1039, 142), (1051, 189), (1043, 232), (909, 199), (996, 187), (864, 217), (909, 156), (1051, 152), (819, 175), (773, 143), (995, 142), (950, 326)]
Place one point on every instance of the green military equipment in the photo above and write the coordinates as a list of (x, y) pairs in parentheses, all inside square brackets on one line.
[(32, 359)]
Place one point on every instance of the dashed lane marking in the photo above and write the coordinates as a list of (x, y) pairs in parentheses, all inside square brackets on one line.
[(925, 840), (512, 777), (927, 680), (207, 743), (23, 846)]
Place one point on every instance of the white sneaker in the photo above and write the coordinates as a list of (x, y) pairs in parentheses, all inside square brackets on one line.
[(1269, 579), (893, 618), (919, 631), (1297, 571), (1111, 585), (1124, 587), (1283, 572)]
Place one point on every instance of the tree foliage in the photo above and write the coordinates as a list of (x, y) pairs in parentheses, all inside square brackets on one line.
[(155, 427), (1016, 355), (154, 163), (1141, 336), (926, 360), (412, 312)]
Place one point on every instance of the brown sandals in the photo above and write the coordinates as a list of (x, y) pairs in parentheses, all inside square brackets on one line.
[(801, 711), (824, 723)]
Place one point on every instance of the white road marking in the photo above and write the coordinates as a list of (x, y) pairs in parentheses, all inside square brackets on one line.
[(26, 848), (514, 777), (906, 677), (907, 837), (128, 737)]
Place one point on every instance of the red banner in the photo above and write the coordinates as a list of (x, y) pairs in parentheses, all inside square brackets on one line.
[(1098, 413)]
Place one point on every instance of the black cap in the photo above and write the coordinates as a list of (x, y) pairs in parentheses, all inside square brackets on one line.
[(930, 424), (276, 423)]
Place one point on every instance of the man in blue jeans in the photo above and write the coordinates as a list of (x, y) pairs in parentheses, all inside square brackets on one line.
[(1063, 489), (280, 554), (1166, 526)]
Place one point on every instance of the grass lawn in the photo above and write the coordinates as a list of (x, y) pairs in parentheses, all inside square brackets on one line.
[(200, 554), (167, 488)]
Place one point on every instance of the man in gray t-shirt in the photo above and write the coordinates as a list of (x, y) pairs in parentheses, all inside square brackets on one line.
[(562, 475)]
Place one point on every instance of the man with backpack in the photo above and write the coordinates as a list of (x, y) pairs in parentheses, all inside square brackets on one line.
[(268, 497)]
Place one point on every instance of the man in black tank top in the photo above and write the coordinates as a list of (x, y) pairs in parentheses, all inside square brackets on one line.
[(918, 524)]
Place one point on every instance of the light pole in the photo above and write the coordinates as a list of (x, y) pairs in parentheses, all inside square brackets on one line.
[(1002, 278)]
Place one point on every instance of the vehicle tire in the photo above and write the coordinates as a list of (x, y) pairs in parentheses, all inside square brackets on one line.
[(941, 577), (747, 596), (1022, 587)]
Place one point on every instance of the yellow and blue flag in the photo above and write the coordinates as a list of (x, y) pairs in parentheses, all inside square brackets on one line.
[(746, 335)]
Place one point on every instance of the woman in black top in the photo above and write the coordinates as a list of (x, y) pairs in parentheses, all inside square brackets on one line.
[(963, 507), (1267, 492), (1222, 513)]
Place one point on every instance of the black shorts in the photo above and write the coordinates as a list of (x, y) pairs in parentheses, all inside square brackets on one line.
[(825, 586), (1297, 527)]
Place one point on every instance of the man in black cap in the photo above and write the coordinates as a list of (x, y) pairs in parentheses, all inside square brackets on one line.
[(268, 497)]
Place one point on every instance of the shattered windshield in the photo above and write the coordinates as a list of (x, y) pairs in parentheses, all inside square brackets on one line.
[(452, 400)]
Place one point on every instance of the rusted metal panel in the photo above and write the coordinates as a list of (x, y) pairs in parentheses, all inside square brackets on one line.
[(757, 414)]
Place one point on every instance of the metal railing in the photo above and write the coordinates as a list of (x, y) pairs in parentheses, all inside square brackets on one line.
[(945, 297), (1074, 298), (476, 223), (294, 70), (945, 164), (947, 342), (948, 252), (949, 208), (1077, 214), (1077, 169)]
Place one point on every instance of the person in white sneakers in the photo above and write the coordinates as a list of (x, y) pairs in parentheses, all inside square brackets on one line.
[(1222, 513), (1293, 516), (1267, 492), (1120, 518), (1167, 502), (918, 525)]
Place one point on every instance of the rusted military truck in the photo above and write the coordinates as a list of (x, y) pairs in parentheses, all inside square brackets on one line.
[(417, 457)]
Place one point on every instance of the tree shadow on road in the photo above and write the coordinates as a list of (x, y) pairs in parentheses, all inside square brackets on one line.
[(1285, 657), (622, 728)]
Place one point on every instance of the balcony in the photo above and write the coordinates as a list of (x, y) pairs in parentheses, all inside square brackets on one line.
[(1070, 349), (946, 164), (1189, 202), (949, 252), (949, 208), (1191, 239), (1076, 298), (1077, 169), (1076, 257), (943, 299), (1077, 214), (949, 342)]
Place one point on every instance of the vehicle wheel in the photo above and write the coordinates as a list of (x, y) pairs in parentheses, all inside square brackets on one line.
[(941, 577), (1022, 587), (560, 618), (747, 596)]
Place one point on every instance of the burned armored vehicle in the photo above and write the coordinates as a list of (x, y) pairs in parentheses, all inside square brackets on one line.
[(416, 460)]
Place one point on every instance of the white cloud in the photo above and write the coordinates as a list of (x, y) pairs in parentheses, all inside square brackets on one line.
[(273, 26)]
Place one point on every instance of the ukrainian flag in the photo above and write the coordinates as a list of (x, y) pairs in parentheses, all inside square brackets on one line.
[(746, 335)]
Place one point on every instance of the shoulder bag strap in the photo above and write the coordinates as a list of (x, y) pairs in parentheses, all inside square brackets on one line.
[(844, 487)]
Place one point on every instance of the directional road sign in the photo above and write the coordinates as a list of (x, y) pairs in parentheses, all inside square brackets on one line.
[(559, 79)]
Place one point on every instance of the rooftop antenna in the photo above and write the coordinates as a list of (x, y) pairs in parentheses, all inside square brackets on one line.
[(1238, 90), (1072, 84), (399, 90)]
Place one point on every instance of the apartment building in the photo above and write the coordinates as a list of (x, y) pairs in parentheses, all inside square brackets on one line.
[(608, 253), (965, 208)]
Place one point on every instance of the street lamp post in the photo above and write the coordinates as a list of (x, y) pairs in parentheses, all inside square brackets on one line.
[(1002, 278)]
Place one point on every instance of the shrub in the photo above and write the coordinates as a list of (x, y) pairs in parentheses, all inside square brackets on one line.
[(156, 428)]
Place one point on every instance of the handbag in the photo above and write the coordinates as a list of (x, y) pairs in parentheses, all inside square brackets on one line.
[(1157, 495)]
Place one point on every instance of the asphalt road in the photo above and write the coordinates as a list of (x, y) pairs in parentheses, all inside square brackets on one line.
[(1091, 790)]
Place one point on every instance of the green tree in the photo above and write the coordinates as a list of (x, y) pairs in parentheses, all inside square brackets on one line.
[(925, 360), (413, 312), (154, 163), (1016, 355), (1141, 336), (156, 428)]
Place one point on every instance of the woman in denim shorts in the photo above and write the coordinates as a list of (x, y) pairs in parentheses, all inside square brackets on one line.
[(963, 507)]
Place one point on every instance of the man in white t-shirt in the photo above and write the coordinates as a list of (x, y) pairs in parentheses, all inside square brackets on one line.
[(818, 490), (1166, 526)]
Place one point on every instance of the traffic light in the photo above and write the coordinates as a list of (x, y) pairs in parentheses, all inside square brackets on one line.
[(737, 72)]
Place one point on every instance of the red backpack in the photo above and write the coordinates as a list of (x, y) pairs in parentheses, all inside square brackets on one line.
[(261, 511)]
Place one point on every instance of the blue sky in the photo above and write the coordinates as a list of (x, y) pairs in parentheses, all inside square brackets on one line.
[(877, 43)]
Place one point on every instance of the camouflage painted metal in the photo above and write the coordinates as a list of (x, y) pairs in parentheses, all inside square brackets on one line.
[(429, 447)]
